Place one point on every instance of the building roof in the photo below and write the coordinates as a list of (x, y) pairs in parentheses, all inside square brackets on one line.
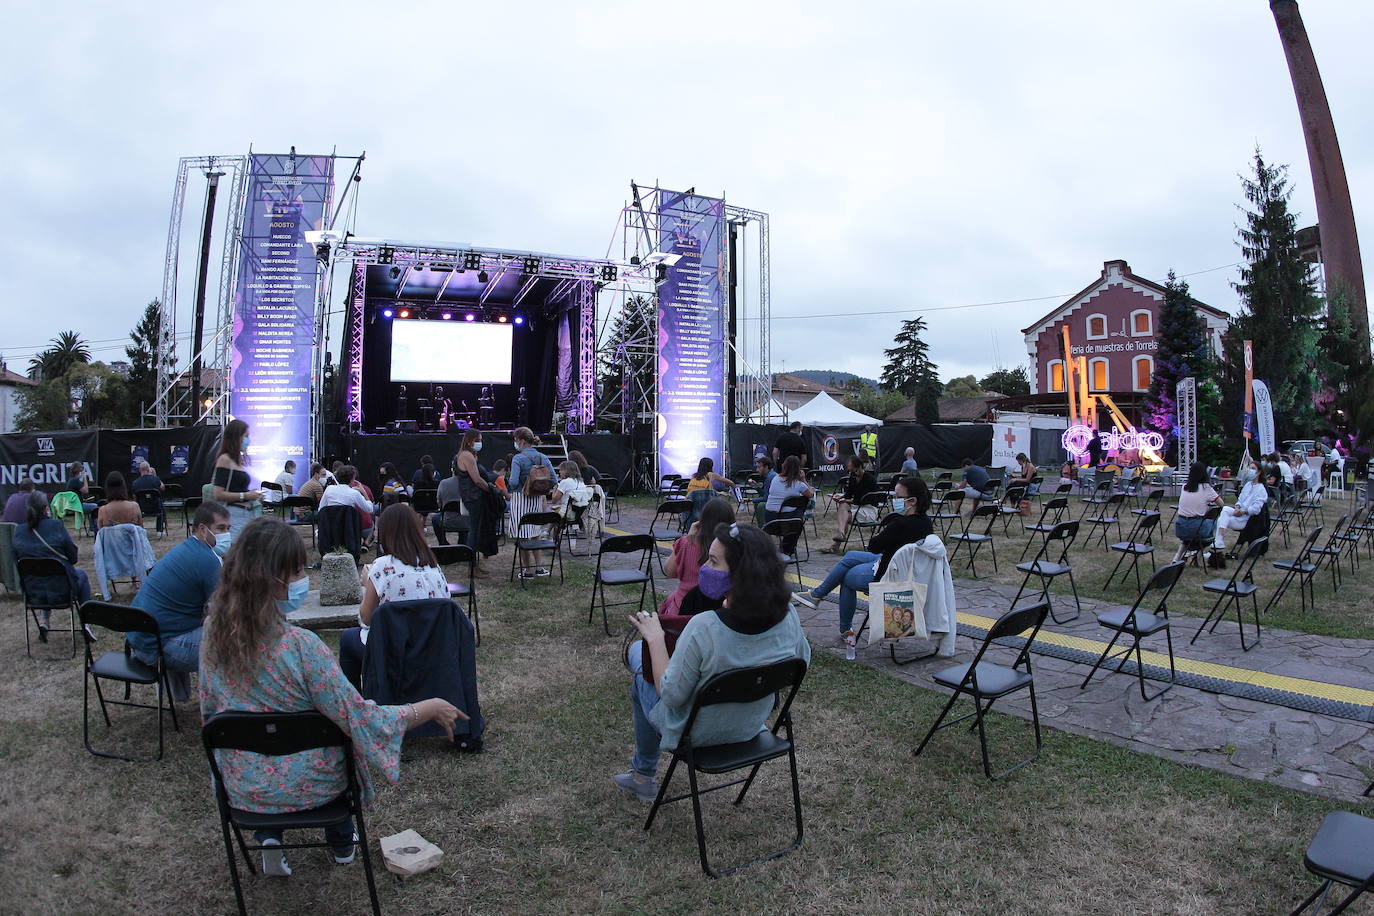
[(1109, 268), (785, 381), (9, 377), (952, 410)]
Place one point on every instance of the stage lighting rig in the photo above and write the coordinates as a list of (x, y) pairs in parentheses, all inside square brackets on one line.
[(448, 316), (470, 316), (502, 318), (472, 260), (531, 265), (386, 254), (418, 266), (403, 313), (608, 272), (519, 319), (386, 313)]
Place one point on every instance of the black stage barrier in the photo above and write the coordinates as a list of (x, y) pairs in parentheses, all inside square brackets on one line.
[(609, 453), (183, 455), (1047, 447), (938, 445), (43, 458)]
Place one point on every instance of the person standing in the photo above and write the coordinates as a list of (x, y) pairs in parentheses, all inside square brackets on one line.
[(526, 457), (472, 487), (868, 446), (790, 445), (229, 481)]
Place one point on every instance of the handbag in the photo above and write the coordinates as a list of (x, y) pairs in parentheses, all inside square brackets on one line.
[(896, 610), (866, 515)]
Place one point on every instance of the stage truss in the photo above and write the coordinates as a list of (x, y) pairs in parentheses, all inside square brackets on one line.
[(627, 335), (1185, 408)]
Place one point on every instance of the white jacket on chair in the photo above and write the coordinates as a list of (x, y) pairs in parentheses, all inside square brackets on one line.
[(927, 562)]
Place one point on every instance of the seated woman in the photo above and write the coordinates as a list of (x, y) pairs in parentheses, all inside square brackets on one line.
[(790, 483), (252, 659), (703, 485), (572, 492), (755, 626), (854, 487), (1191, 524), (689, 553), (908, 524), (119, 509), (1068, 472), (44, 537), (1025, 473), (393, 487), (405, 571)]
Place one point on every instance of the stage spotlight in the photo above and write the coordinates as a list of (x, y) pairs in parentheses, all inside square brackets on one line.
[(386, 313), (502, 319), (608, 272), (531, 265), (471, 260), (448, 316), (405, 313), (395, 273), (519, 319), (482, 276), (386, 254), (419, 267), (470, 317)]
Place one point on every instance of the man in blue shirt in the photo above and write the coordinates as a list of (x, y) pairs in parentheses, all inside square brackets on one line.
[(175, 594), (976, 481)]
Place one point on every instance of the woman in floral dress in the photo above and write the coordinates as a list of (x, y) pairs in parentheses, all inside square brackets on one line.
[(252, 660)]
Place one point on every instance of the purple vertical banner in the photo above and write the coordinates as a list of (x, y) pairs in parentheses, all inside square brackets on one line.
[(274, 309), (691, 333)]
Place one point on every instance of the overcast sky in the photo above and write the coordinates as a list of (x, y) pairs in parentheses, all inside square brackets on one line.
[(912, 155)]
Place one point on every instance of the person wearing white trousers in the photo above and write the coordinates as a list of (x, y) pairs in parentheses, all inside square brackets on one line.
[(1251, 500)]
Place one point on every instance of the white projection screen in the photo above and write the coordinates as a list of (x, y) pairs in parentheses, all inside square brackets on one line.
[(450, 351)]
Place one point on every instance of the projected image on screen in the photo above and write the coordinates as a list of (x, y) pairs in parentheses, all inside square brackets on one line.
[(450, 351)]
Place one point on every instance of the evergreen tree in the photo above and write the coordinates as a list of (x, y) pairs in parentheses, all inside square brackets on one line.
[(1010, 382), (628, 368), (1182, 348), (875, 403), (143, 352), (1279, 304), (910, 370)]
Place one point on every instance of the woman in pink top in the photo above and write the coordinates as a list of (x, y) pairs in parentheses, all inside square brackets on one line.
[(689, 551)]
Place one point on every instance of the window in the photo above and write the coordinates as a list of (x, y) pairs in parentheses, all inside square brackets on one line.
[(1097, 327), (1099, 375), (1144, 371), (1056, 370), (1142, 323)]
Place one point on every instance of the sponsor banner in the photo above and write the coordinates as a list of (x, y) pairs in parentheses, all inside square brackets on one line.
[(1263, 417), (691, 333), (830, 448), (274, 309), (43, 458)]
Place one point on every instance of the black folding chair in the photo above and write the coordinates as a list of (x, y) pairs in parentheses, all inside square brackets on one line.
[(1192, 549), (53, 573), (667, 524), (425, 501), (1231, 591), (306, 521), (1340, 854), (948, 511), (447, 555), (1010, 506), (1109, 514), (874, 500), (1303, 568), (987, 681), (1330, 552), (277, 734), (1051, 514), (1100, 493), (150, 506), (783, 529), (1350, 538), (1047, 570), (553, 522), (800, 507), (123, 667), (975, 540), (1139, 544), (641, 574), (743, 685), (189, 505), (1138, 624), (1153, 502), (611, 487)]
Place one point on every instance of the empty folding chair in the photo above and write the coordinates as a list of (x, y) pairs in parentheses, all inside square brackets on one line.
[(1152, 502), (1231, 591), (975, 540), (1097, 498), (667, 524), (641, 574), (1330, 552), (1051, 514), (1061, 537), (305, 521), (447, 555), (190, 504), (987, 682), (1366, 529), (47, 587), (1303, 567), (1311, 505), (1139, 544), (548, 541), (1340, 853), (1138, 624), (277, 734), (123, 667), (1109, 513), (947, 514), (744, 685), (1350, 539), (611, 487), (1010, 506)]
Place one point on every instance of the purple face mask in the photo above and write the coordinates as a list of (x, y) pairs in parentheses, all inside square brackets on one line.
[(713, 583)]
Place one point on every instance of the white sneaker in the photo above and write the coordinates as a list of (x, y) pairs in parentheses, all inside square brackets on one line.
[(352, 853), (274, 861)]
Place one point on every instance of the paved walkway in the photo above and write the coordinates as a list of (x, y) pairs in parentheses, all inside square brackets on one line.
[(1333, 755)]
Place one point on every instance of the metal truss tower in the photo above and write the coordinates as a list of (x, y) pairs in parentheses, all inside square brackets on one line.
[(1186, 409)]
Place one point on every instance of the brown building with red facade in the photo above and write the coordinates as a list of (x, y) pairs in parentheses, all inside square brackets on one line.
[(1113, 322)]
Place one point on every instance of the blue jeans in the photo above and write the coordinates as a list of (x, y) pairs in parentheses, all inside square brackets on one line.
[(643, 697), (182, 653), (853, 573)]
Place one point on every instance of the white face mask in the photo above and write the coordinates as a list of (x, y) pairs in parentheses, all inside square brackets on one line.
[(898, 505), (477, 446)]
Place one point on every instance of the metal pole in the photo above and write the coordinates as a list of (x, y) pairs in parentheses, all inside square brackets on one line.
[(206, 228), (732, 327)]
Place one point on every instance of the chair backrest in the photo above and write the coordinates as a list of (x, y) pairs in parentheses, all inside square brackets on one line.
[(1144, 528), (449, 554), (1164, 578), (425, 501), (950, 504), (1116, 499), (1333, 542), (783, 527), (609, 485), (270, 485), (191, 503), (797, 503), (1064, 531), (1015, 494), (1013, 623), (118, 617), (272, 734), (628, 543), (1309, 544), (49, 568), (1054, 504), (293, 502), (149, 501), (989, 511), (1245, 569), (747, 685)]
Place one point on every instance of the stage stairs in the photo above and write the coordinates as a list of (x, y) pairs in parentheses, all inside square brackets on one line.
[(557, 451)]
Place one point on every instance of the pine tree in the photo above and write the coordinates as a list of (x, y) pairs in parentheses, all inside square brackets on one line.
[(910, 370), (1280, 306), (1182, 347), (628, 368), (146, 337)]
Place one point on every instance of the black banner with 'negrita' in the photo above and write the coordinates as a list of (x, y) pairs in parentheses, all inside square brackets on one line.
[(43, 458)]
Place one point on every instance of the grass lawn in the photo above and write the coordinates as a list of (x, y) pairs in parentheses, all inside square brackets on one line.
[(533, 825)]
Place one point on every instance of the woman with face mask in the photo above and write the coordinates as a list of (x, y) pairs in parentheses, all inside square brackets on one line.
[(251, 658), (473, 482), (229, 482), (907, 524), (755, 626)]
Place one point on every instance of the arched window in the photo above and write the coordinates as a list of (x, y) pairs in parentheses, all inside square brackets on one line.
[(1097, 327), (1142, 323), (1056, 374), (1144, 367), (1099, 375)]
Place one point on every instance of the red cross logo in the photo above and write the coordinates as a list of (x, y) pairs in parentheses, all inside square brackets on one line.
[(1010, 437)]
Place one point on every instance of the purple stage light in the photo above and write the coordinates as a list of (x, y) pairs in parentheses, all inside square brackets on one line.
[(469, 317), (386, 313), (519, 319), (447, 315)]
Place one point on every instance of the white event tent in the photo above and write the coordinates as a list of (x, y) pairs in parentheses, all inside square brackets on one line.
[(823, 410)]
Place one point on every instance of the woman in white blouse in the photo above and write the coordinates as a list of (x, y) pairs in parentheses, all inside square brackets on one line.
[(405, 571)]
